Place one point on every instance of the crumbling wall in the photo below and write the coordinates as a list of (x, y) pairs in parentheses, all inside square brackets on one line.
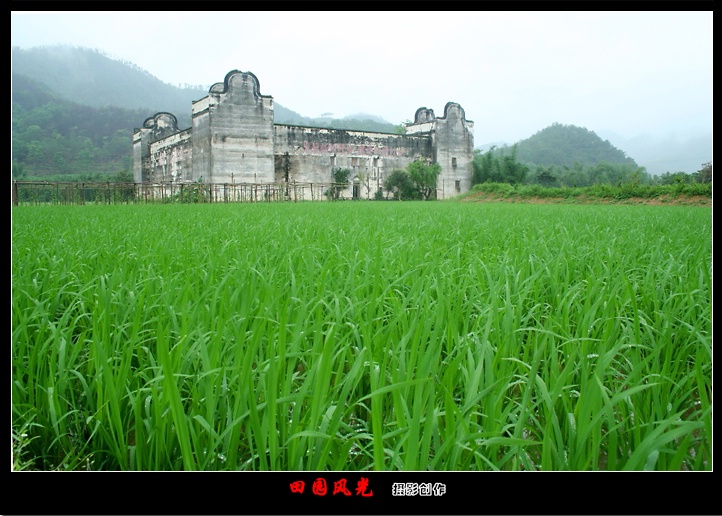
[(240, 132), (171, 159), (453, 142), (309, 155), (160, 150), (234, 140)]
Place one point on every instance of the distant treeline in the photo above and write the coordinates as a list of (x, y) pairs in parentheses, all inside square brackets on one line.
[(504, 166)]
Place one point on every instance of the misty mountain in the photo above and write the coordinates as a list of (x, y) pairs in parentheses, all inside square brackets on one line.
[(91, 78), (565, 145), (657, 155), (366, 116), (30, 94), (52, 135), (88, 77), (74, 111), (665, 154)]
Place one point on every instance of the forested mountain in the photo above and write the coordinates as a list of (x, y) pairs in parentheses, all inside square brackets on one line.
[(571, 156), (559, 155), (88, 77), (51, 135), (562, 145), (74, 111)]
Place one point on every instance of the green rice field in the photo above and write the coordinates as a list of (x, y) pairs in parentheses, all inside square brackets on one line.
[(362, 336)]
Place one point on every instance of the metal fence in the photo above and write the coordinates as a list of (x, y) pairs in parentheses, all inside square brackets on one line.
[(32, 192)]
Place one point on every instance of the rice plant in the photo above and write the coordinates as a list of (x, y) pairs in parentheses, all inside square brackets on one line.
[(361, 336)]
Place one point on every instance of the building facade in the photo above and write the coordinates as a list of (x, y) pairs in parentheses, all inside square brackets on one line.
[(234, 140)]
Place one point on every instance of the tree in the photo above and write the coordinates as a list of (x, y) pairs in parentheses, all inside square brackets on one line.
[(122, 176), (399, 183), (496, 167), (705, 173), (364, 178), (483, 165), (340, 181), (424, 176), (638, 177), (674, 178), (60, 164), (513, 171), (546, 178), (401, 128), (18, 170)]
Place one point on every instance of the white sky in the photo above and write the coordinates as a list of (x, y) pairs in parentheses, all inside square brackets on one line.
[(514, 73)]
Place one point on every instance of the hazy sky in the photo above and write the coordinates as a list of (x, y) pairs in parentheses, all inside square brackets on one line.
[(514, 73)]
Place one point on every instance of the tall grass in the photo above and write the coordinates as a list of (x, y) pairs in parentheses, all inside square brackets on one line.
[(361, 336)]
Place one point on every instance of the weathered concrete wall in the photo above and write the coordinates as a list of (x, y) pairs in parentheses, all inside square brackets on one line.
[(172, 158), (453, 142), (452, 138), (240, 130), (154, 157), (141, 148), (308, 154), (234, 140), (201, 145)]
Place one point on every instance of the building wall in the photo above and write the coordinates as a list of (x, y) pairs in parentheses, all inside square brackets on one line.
[(233, 139), (309, 155), (241, 131), (172, 158), (454, 146), (152, 148), (201, 144)]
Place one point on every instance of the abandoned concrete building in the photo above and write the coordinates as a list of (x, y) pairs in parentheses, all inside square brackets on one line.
[(234, 140)]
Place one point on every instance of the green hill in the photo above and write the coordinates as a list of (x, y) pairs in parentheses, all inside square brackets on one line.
[(74, 111), (54, 136), (563, 145), (559, 155), (91, 78)]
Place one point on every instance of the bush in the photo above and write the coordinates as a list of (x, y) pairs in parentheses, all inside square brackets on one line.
[(503, 189)]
